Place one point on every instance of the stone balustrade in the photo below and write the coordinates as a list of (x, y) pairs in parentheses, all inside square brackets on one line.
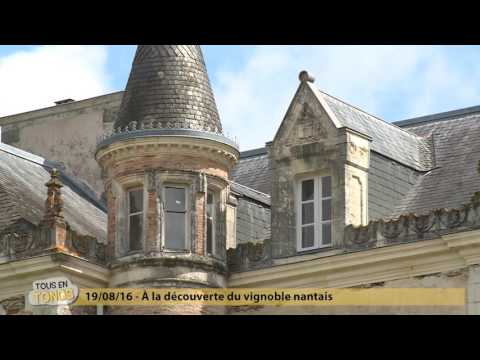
[(135, 127), (404, 229)]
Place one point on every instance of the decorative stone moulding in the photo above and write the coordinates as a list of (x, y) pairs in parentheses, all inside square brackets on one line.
[(250, 256), (177, 126), (404, 229), (413, 227), (23, 240), (155, 141)]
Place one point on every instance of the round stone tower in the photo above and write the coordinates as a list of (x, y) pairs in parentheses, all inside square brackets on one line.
[(166, 169)]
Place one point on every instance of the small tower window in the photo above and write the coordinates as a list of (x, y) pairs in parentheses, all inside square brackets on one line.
[(135, 219), (314, 225), (211, 222), (176, 218)]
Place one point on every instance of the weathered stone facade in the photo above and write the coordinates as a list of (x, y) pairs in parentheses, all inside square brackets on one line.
[(23, 239), (166, 133), (152, 150), (308, 143), (67, 134)]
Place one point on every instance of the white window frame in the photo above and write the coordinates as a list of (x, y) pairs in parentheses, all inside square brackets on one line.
[(187, 217), (214, 210), (318, 198), (129, 215)]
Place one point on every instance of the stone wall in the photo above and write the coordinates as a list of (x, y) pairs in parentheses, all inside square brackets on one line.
[(308, 144), (66, 134), (454, 279)]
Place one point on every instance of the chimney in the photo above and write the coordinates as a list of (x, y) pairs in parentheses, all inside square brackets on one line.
[(65, 101)]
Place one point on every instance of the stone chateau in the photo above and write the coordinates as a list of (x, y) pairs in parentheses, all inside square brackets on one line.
[(142, 188)]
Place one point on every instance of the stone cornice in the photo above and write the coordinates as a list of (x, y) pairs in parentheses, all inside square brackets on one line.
[(57, 110), (170, 259), (17, 276), (447, 253), (152, 129), (151, 144)]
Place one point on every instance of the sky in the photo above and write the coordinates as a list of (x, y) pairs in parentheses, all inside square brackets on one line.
[(253, 85)]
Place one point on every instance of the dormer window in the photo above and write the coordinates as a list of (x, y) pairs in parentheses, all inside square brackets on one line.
[(314, 220), (135, 219)]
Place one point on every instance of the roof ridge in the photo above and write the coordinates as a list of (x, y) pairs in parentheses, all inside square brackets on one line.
[(441, 116), (61, 105), (12, 150), (253, 152), (373, 116)]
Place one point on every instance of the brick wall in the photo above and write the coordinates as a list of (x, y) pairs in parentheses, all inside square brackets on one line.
[(200, 226), (167, 162)]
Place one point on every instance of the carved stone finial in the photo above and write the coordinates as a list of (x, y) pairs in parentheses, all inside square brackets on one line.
[(304, 76), (54, 202)]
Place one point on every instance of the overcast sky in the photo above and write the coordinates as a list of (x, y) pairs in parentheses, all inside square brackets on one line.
[(254, 85)]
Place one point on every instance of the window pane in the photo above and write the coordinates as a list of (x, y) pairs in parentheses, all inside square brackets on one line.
[(175, 199), (307, 213), (209, 236), (209, 204), (327, 209), (210, 222), (175, 231), (136, 201), (308, 236), (307, 190), (326, 234), (135, 233), (327, 186)]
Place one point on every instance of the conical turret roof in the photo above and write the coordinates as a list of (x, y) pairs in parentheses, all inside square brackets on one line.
[(168, 88)]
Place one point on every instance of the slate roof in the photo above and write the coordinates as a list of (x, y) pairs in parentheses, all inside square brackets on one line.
[(169, 85), (445, 146), (387, 139), (245, 191), (253, 170), (407, 148), (456, 140), (23, 176)]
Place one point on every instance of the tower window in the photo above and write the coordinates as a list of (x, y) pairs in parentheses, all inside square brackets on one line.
[(211, 222), (135, 219), (314, 224), (176, 218)]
